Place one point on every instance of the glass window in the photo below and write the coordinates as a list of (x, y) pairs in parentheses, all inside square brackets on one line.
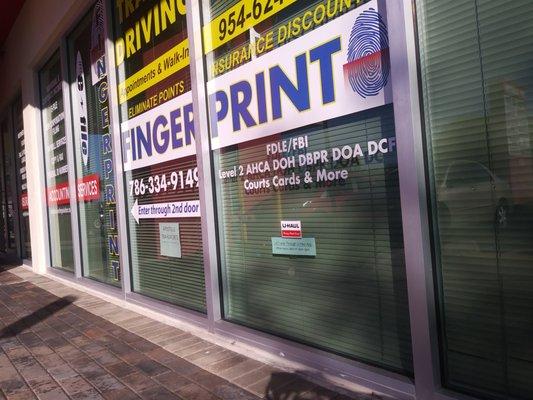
[(478, 102), (93, 148), (306, 175), (9, 244), (3, 201), (22, 183), (157, 133), (56, 165)]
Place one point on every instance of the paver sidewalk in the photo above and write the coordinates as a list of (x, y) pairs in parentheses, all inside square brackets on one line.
[(59, 343)]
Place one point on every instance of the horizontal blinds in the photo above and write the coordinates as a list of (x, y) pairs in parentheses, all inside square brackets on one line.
[(219, 6), (476, 68), (350, 298), (176, 280), (166, 254)]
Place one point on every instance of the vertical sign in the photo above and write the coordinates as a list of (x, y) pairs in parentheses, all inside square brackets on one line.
[(95, 186)]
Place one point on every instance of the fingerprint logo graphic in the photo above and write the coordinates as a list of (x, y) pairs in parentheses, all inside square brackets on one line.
[(368, 66), (97, 32)]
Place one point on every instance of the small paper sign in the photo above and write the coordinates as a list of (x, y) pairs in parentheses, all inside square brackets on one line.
[(294, 247), (169, 239), (291, 229)]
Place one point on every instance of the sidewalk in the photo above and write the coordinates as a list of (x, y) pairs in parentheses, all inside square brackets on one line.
[(71, 345)]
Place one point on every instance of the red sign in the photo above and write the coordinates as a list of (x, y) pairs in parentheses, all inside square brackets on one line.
[(58, 195), (88, 188), (24, 201)]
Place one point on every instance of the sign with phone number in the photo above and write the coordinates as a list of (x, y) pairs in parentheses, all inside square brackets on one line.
[(238, 19), (176, 180)]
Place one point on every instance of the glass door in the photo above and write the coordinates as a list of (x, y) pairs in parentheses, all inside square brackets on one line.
[(7, 206)]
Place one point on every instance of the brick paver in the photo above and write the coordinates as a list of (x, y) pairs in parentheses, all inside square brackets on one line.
[(59, 343)]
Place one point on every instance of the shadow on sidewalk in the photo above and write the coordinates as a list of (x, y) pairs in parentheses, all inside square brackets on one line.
[(35, 317), (299, 386), (8, 262)]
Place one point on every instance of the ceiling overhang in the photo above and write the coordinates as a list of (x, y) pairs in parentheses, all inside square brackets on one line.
[(9, 11)]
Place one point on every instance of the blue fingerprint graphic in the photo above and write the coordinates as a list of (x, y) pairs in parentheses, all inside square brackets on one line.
[(368, 66)]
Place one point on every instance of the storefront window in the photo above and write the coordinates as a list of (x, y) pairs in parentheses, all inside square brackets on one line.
[(95, 185), (22, 183), (157, 133), (303, 141), (56, 165), (7, 180), (478, 100)]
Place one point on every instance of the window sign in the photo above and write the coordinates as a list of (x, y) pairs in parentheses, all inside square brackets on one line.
[(332, 71), (95, 184), (291, 229), (159, 154), (22, 181), (169, 239), (56, 165), (304, 149), (294, 247), (241, 31)]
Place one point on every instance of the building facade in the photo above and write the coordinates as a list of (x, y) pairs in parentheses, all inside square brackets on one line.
[(347, 184)]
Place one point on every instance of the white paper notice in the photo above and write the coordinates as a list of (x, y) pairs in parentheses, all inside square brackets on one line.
[(169, 239)]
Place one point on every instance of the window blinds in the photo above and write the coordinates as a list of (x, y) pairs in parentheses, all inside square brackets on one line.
[(351, 298), (176, 280), (477, 82)]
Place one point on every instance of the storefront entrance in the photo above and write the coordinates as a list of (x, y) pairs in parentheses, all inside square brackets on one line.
[(8, 245), (14, 211)]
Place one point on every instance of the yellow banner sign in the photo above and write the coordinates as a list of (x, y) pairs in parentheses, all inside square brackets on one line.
[(238, 19), (161, 68)]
